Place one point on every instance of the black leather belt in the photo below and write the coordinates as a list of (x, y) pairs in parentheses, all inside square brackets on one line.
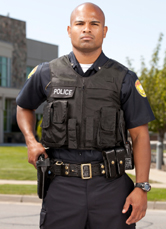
[(85, 171)]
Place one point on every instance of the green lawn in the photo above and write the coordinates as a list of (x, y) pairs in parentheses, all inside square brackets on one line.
[(132, 177), (14, 164), (18, 189), (155, 194)]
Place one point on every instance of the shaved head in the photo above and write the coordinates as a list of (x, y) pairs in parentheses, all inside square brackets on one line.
[(84, 7), (87, 30)]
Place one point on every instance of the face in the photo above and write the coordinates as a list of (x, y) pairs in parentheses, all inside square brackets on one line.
[(87, 29)]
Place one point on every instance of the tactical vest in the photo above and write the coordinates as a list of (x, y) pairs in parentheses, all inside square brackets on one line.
[(83, 112)]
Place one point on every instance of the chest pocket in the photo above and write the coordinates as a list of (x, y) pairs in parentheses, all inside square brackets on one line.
[(54, 123), (106, 135), (55, 117)]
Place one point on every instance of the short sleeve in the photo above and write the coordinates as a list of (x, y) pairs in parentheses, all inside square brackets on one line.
[(34, 91), (134, 102)]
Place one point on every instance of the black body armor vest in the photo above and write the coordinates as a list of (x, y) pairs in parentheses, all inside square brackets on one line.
[(83, 113)]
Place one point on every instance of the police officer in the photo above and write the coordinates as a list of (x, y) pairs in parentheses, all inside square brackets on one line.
[(86, 91)]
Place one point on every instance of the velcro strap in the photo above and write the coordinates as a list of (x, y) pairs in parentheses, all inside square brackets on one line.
[(60, 111), (89, 132), (120, 155), (46, 115), (72, 134)]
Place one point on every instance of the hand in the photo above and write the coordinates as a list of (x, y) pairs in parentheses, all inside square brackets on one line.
[(138, 200), (34, 150)]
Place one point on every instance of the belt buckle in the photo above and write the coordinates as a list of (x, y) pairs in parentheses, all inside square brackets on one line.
[(59, 163), (84, 171)]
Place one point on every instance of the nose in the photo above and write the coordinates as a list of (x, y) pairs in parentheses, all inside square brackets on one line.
[(87, 28)]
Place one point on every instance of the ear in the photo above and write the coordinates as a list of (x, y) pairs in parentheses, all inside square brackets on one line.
[(105, 31), (69, 30)]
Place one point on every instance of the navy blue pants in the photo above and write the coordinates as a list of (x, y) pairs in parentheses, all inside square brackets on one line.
[(97, 203)]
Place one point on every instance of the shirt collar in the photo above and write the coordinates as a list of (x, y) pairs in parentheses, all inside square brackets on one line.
[(101, 60)]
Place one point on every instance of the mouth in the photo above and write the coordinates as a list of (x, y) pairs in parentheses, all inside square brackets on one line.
[(86, 38)]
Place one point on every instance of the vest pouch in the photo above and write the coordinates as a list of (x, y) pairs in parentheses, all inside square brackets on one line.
[(59, 115), (89, 132), (46, 123), (54, 124), (106, 136), (72, 134)]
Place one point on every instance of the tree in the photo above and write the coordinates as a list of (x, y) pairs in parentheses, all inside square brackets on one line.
[(154, 83)]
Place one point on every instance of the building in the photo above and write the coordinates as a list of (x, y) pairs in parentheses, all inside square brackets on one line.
[(18, 56)]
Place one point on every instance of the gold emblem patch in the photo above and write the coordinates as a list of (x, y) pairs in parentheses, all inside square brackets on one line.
[(140, 88), (32, 72)]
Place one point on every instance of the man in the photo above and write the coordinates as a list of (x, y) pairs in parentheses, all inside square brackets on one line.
[(86, 92)]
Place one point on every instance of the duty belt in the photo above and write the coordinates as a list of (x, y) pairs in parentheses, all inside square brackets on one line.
[(85, 171)]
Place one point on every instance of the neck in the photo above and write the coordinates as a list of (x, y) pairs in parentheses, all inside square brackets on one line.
[(86, 57)]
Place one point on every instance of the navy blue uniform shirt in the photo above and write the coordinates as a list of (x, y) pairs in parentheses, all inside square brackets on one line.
[(134, 103)]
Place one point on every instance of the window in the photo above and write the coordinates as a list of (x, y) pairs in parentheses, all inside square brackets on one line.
[(10, 123), (28, 70), (7, 116), (5, 71)]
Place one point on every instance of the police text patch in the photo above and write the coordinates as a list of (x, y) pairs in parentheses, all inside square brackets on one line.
[(62, 92)]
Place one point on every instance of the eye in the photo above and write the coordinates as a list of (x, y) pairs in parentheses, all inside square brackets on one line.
[(79, 23), (94, 23)]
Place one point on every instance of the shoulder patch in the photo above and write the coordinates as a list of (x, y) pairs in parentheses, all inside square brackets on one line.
[(140, 88), (32, 72)]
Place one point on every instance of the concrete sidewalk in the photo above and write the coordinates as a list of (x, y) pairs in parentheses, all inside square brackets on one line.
[(28, 182)]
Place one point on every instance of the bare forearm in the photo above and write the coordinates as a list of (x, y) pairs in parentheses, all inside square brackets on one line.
[(26, 121), (142, 159), (142, 154)]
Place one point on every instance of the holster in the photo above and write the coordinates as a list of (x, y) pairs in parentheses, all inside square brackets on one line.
[(44, 176), (129, 160)]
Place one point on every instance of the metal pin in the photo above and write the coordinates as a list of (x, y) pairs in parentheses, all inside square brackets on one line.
[(103, 172), (102, 166)]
